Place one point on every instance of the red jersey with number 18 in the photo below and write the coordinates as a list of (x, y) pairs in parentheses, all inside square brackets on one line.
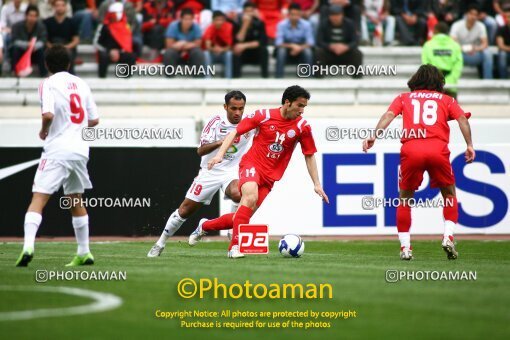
[(426, 114), (274, 141)]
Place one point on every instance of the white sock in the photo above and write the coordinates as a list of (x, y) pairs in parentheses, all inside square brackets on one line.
[(32, 223), (405, 239), (172, 225), (234, 207), (81, 231), (448, 228)]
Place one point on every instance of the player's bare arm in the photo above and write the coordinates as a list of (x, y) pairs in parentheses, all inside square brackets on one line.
[(311, 165), (227, 143), (465, 128), (208, 148), (383, 123), (47, 119), (93, 122)]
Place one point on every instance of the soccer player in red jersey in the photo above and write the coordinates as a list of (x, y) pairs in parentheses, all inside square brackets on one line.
[(428, 109), (278, 132)]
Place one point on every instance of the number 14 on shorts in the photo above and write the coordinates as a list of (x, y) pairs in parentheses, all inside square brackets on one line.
[(254, 238)]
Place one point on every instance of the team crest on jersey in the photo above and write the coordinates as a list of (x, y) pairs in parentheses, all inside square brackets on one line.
[(251, 115), (272, 128), (276, 147), (291, 133), (237, 139)]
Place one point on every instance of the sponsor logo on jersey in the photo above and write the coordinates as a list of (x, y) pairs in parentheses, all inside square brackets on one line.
[(291, 133), (276, 148)]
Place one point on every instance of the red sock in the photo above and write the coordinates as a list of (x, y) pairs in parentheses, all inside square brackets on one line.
[(403, 218), (242, 216), (451, 209), (221, 223)]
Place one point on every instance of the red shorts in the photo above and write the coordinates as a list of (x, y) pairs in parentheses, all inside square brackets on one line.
[(418, 156), (249, 173)]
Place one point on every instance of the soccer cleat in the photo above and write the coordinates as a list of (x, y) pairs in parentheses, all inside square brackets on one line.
[(406, 254), (234, 253), (83, 260), (197, 235), (155, 251), (25, 257), (449, 248)]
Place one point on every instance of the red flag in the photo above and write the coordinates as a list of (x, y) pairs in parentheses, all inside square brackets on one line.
[(120, 31), (24, 65)]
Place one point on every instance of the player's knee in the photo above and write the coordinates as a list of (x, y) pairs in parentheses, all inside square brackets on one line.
[(250, 200)]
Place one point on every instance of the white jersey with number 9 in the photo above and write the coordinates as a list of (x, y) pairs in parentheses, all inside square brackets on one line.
[(70, 100)]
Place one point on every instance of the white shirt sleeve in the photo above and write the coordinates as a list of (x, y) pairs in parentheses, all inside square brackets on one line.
[(47, 98), (482, 30), (208, 135), (91, 107)]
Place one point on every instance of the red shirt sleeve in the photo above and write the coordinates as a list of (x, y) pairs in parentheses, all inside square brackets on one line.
[(454, 110), (307, 142), (250, 122), (396, 106)]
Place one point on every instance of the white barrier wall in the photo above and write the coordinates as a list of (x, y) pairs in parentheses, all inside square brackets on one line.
[(348, 175)]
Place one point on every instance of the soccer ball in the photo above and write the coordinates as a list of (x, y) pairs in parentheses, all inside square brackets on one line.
[(291, 246)]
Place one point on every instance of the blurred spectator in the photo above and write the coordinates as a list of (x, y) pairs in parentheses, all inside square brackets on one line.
[(183, 41), (62, 30), (218, 41), (485, 15), (446, 10), (310, 10), (336, 41), (294, 40), (134, 25), (411, 16), (114, 41), (377, 20), (271, 13), (200, 8), (12, 12), (46, 8), (503, 42), (231, 8), (250, 42), (471, 34), (1, 53), (499, 11), (444, 53), (22, 32), (85, 14), (352, 10), (157, 15)]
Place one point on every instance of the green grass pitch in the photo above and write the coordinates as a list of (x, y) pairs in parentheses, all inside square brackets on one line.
[(356, 270)]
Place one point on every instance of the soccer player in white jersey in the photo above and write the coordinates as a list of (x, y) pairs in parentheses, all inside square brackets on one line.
[(208, 182), (67, 107)]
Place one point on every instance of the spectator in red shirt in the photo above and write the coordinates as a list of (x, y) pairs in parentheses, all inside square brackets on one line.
[(270, 12), (218, 40), (157, 15)]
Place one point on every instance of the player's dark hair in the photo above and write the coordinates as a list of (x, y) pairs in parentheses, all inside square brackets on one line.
[(32, 8), (428, 77), (57, 58), (237, 95), (294, 92), (249, 4), (187, 11), (441, 27), (294, 6), (217, 14), (473, 7)]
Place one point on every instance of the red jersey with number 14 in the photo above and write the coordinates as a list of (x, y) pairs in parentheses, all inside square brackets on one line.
[(274, 141), (426, 114)]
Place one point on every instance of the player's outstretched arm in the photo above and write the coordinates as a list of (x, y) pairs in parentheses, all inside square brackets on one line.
[(47, 119), (465, 128), (384, 122), (208, 148), (311, 165), (223, 149)]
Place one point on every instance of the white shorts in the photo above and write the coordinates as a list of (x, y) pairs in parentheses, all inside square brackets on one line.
[(207, 184), (53, 173)]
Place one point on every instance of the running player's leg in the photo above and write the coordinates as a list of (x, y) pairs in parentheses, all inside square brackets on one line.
[(48, 178), (232, 192), (187, 209), (74, 186), (404, 224), (225, 221), (451, 217)]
